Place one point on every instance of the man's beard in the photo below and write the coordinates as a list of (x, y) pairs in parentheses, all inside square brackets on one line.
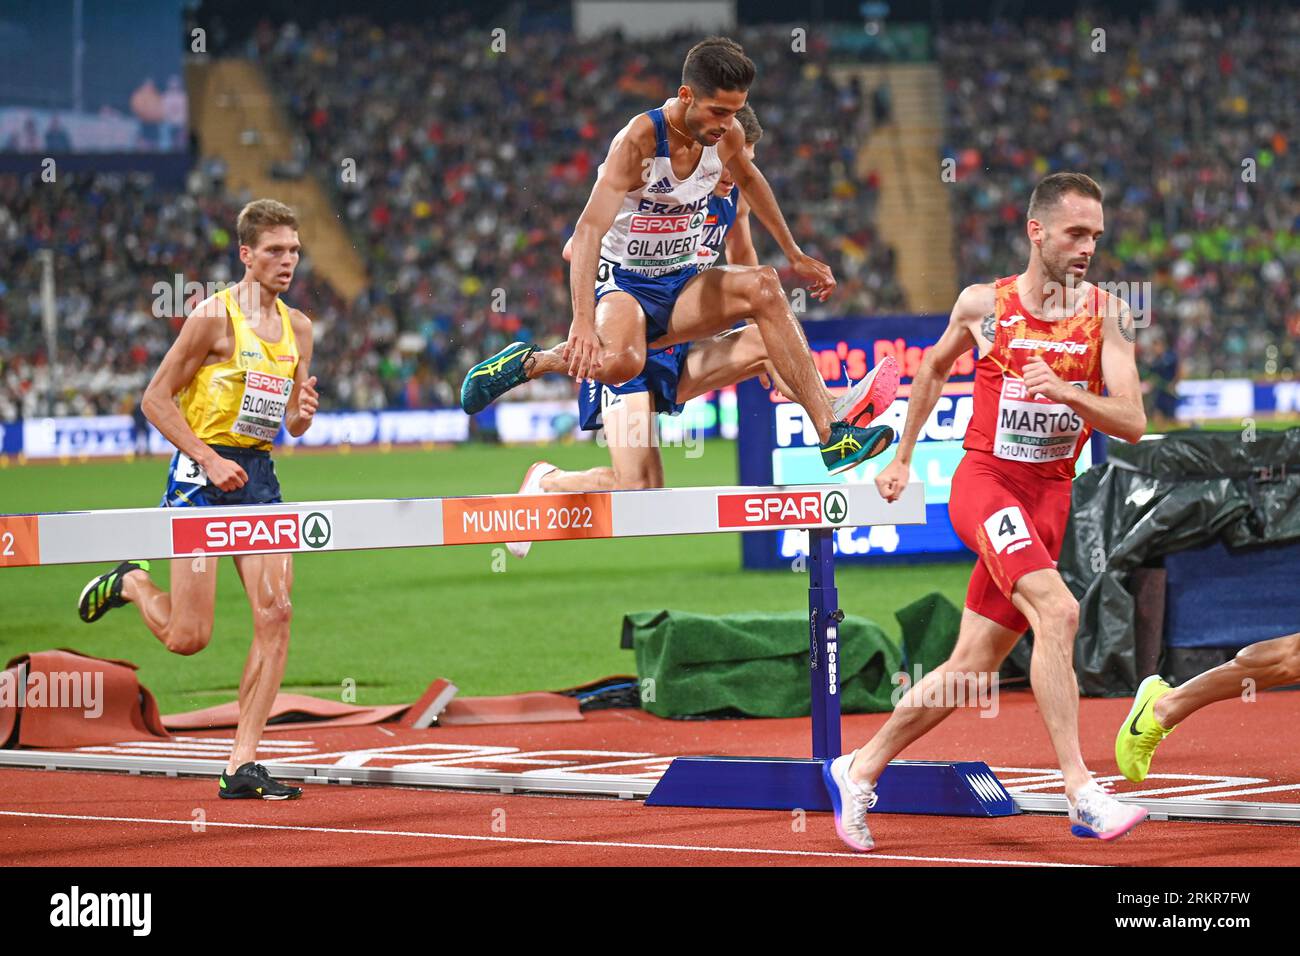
[(1061, 275)]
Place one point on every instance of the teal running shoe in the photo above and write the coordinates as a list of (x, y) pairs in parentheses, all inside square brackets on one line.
[(850, 446), (490, 379)]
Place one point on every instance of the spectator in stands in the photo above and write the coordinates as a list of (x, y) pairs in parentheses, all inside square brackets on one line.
[(57, 139), (1160, 380), (175, 114), (25, 139)]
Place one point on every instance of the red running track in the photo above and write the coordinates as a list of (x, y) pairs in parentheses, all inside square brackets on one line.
[(80, 819)]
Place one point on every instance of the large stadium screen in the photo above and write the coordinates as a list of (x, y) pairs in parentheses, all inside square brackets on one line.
[(777, 443), (91, 76)]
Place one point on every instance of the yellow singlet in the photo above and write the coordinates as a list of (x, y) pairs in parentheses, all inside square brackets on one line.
[(241, 402)]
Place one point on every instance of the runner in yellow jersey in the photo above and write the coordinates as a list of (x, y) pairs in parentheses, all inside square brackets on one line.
[(235, 374)]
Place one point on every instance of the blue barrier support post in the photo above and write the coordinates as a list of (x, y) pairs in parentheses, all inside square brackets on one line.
[(824, 617)]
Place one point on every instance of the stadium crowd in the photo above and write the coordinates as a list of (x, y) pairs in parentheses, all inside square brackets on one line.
[(1189, 122), (471, 166), (469, 177), (131, 260)]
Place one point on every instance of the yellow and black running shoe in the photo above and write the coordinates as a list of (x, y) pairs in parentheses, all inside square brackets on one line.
[(105, 592), (252, 782)]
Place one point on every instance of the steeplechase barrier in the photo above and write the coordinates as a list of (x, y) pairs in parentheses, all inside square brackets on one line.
[(967, 788)]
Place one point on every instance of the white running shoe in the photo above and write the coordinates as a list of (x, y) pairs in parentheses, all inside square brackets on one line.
[(1094, 813), (850, 802), (869, 397), (532, 486)]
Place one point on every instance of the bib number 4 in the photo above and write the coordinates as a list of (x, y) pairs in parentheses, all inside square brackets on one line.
[(1008, 530)]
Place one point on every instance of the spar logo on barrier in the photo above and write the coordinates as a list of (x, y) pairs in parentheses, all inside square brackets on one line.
[(249, 534), (777, 508)]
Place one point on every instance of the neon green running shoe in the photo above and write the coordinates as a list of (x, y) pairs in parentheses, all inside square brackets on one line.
[(104, 593), (493, 377), (850, 445), (1136, 741)]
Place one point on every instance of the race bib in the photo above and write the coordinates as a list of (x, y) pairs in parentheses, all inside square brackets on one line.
[(1008, 530), (610, 400), (188, 471), (605, 277), (657, 244), (262, 407), (1034, 429)]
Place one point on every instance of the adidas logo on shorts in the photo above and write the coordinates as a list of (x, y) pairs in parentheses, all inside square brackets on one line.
[(663, 186)]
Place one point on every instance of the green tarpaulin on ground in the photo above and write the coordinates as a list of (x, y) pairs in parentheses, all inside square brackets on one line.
[(694, 665)]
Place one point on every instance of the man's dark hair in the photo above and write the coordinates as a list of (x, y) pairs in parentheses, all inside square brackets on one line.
[(1051, 189), (749, 123), (717, 64)]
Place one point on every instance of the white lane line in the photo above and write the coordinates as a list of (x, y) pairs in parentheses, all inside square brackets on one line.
[(1238, 793), (419, 834)]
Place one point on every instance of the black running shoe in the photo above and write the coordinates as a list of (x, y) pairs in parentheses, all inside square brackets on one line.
[(105, 592), (252, 782)]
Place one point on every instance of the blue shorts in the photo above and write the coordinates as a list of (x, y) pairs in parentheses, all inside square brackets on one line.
[(663, 370), (656, 294), (187, 486)]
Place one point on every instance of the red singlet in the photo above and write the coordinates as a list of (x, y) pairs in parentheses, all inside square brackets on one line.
[(1010, 496)]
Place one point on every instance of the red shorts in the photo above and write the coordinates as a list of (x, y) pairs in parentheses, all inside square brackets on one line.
[(1014, 518)]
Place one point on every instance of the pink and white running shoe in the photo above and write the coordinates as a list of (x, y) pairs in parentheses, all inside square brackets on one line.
[(869, 397), (532, 486), (1095, 814)]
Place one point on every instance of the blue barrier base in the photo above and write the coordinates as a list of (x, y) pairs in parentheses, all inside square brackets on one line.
[(959, 789), (966, 789)]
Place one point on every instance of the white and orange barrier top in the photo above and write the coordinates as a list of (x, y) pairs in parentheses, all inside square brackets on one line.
[(76, 537)]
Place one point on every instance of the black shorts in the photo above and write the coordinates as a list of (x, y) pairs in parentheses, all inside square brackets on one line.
[(188, 487)]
